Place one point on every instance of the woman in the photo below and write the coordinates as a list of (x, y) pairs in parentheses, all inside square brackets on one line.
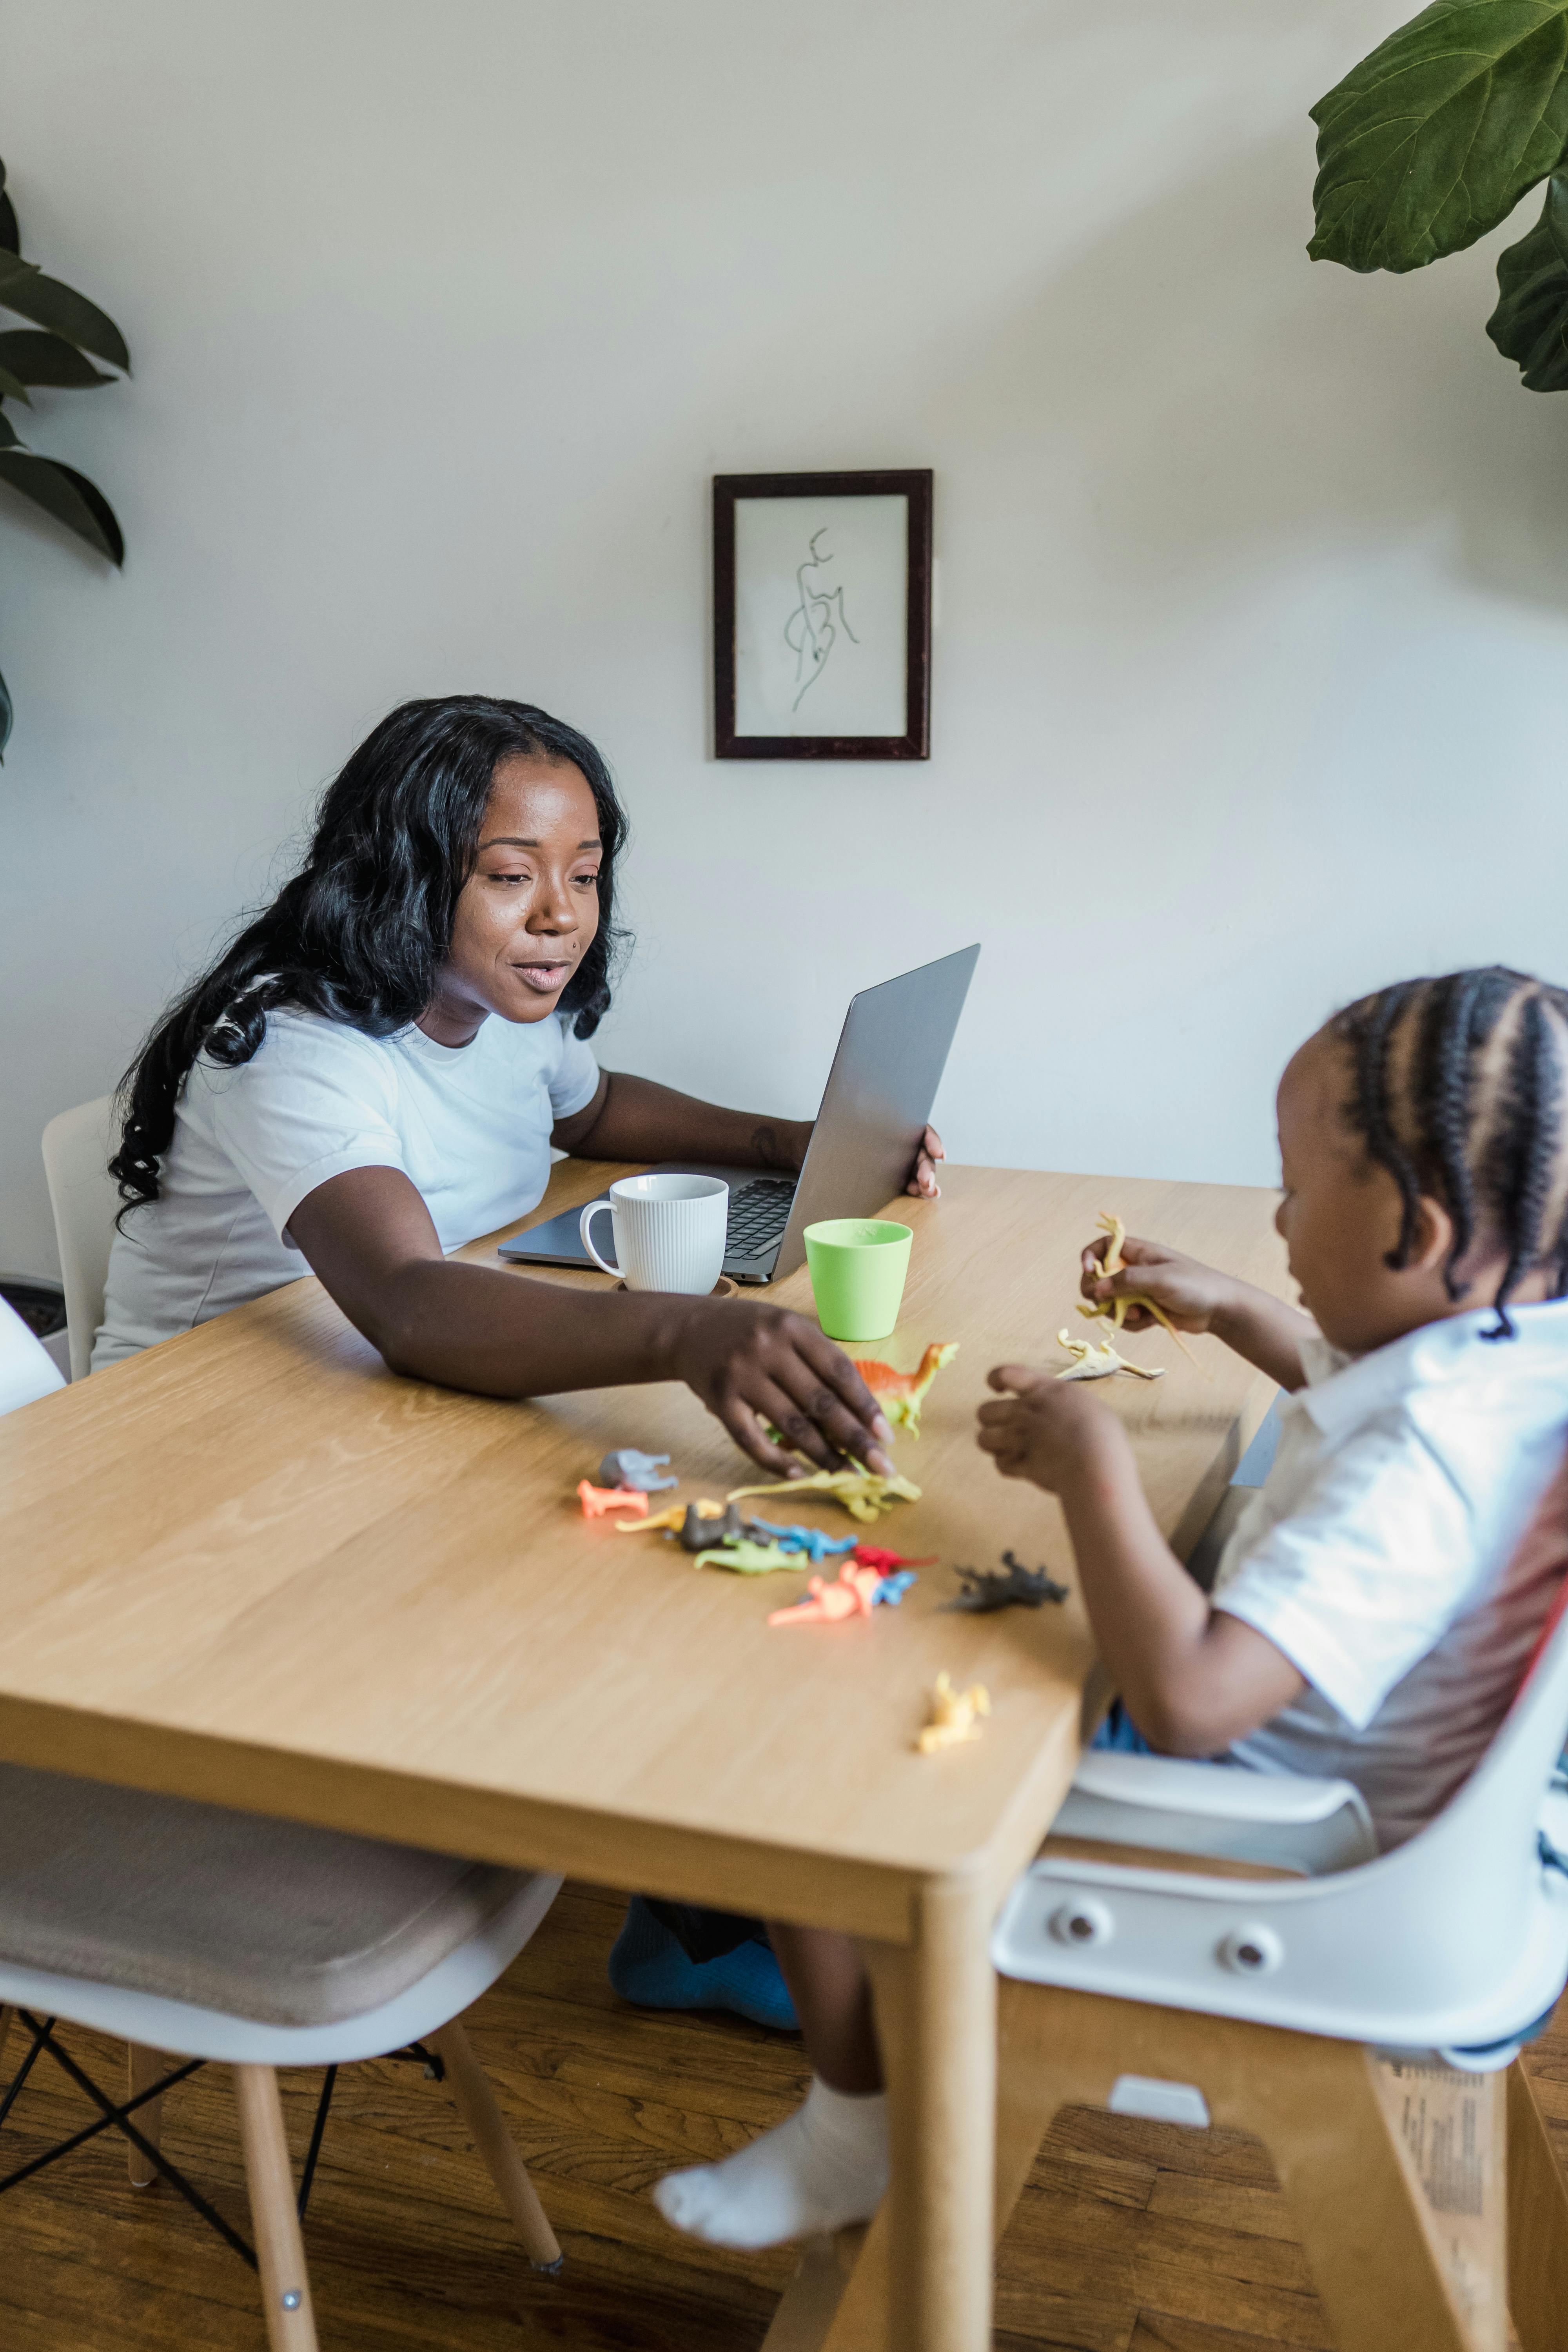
[(375, 1072)]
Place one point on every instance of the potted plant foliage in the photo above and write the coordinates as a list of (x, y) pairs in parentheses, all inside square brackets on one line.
[(1432, 139), (65, 335)]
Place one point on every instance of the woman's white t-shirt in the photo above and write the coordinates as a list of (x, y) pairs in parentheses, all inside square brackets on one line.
[(469, 1126)]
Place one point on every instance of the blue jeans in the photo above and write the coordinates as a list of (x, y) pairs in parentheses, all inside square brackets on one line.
[(1119, 1733)]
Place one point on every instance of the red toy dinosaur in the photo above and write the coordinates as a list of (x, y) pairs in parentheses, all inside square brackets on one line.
[(885, 1563)]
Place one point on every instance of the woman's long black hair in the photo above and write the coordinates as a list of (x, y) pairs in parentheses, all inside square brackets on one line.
[(361, 933)]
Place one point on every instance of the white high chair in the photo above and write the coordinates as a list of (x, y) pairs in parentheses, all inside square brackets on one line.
[(1268, 2004)]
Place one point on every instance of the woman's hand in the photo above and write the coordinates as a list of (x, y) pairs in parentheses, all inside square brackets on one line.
[(1192, 1294), (755, 1364), (787, 1141), (923, 1182), (1044, 1428)]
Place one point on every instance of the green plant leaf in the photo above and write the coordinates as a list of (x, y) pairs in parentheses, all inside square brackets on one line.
[(10, 241), (24, 289), (7, 432), (30, 356), (11, 389), (1434, 138), (68, 495), (1530, 322), (5, 715)]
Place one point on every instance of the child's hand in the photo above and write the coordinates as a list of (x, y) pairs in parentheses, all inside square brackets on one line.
[(1191, 1293), (1043, 1430)]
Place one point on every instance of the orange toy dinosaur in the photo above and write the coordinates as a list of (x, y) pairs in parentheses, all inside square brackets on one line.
[(901, 1394), (597, 1500), (851, 1595)]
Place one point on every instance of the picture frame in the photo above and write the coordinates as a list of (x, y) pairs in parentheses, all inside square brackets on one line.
[(822, 590)]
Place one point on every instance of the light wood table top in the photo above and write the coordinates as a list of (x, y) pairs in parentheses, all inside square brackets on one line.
[(253, 1550), (253, 1565)]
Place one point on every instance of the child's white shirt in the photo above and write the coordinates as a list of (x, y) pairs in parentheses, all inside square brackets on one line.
[(1379, 1555)]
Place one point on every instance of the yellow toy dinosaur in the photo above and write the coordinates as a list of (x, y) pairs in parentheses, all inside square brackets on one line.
[(1092, 1362), (953, 1714), (1116, 1313), (863, 1493), (672, 1519), (901, 1394)]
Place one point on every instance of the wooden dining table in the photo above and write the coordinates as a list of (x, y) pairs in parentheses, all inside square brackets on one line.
[(253, 1565)]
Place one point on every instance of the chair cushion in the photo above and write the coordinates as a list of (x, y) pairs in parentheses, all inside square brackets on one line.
[(259, 1918)]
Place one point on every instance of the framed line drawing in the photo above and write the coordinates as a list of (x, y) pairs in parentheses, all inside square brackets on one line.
[(822, 615)]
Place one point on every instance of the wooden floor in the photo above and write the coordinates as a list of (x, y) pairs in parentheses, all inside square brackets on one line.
[(1132, 2237)]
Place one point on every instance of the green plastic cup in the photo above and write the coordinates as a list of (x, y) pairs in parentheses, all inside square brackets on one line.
[(857, 1270)]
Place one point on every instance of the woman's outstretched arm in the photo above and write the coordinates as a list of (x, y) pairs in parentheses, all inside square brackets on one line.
[(633, 1119), (369, 1236)]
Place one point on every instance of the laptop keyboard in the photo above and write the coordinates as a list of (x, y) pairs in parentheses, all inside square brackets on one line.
[(758, 1211)]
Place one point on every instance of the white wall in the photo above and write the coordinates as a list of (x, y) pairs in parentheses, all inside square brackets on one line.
[(1252, 684)]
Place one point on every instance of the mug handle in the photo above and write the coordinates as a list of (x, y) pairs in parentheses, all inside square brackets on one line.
[(585, 1232)]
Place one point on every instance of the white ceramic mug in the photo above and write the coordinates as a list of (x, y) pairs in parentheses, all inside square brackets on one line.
[(670, 1232)]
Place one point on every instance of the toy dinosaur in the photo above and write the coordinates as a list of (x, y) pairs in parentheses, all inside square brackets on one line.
[(953, 1716), (852, 1594), (890, 1589), (863, 1493), (885, 1563), (901, 1394), (1092, 1362), (810, 1540), (597, 1500), (748, 1558), (697, 1532), (985, 1590), (673, 1520), (1115, 1263), (628, 1467)]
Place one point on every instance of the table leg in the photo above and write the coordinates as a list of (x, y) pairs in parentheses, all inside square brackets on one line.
[(936, 2016)]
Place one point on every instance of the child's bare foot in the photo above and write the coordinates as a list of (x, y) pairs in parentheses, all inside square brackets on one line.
[(824, 2168)]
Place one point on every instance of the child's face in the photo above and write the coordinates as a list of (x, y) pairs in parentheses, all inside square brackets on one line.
[(1340, 1214)]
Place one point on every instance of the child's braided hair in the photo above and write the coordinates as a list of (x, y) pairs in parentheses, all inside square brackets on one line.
[(1461, 1093)]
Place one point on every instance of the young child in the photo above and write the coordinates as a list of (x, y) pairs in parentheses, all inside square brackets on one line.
[(1376, 1608)]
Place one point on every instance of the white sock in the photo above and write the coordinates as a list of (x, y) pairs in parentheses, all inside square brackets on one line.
[(824, 2168)]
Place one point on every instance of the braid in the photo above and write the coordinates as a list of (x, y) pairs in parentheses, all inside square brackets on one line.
[(1443, 1098), (1372, 1035), (1476, 1119), (1529, 1151)]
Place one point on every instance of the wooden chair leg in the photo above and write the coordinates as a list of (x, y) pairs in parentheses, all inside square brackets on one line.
[(141, 2067), (1537, 2223), (476, 2103), (1354, 2193), (280, 2253)]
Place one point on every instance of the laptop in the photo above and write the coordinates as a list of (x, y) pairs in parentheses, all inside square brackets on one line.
[(892, 1054)]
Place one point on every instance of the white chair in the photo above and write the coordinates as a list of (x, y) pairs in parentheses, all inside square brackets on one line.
[(84, 1198), (185, 1928), (1265, 2003), (28, 1370)]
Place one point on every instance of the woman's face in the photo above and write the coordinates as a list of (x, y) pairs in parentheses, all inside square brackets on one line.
[(528, 912)]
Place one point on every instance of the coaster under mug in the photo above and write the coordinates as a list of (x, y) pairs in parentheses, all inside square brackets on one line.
[(722, 1289)]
